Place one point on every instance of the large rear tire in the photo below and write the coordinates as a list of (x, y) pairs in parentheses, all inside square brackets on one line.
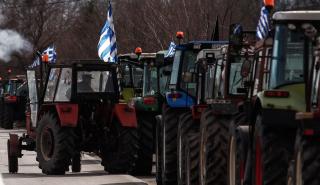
[(273, 150), (170, 118), (122, 156), (8, 116), (192, 159), (146, 141), (55, 145), (214, 149), (185, 127), (307, 161)]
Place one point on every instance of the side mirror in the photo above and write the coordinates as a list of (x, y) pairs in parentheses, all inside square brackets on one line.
[(245, 69)]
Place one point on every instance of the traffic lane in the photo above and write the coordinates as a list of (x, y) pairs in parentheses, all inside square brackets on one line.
[(92, 172)]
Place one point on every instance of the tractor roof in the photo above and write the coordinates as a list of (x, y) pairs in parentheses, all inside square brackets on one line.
[(134, 56), (199, 45), (297, 16)]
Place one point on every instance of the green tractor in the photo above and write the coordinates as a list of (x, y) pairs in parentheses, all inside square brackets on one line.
[(279, 92), (149, 82)]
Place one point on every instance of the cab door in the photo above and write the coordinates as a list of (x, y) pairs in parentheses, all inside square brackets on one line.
[(33, 96)]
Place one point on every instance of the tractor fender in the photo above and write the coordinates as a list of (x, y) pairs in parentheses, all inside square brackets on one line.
[(125, 115), (67, 113), (15, 150)]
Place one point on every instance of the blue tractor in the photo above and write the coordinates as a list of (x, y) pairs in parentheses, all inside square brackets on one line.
[(181, 97)]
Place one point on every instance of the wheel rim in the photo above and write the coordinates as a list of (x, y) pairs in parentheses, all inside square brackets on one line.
[(232, 162), (203, 152), (298, 169), (258, 163), (47, 143)]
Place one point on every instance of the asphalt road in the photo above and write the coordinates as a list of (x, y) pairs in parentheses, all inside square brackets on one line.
[(29, 174)]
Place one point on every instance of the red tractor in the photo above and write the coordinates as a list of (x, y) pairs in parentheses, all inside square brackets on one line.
[(13, 101), (77, 110)]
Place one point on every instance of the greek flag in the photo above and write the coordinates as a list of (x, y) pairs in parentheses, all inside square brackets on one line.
[(263, 25), (51, 52), (107, 46), (36, 62), (171, 50), (52, 55)]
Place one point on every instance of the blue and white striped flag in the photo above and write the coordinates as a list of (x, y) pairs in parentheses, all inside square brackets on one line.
[(263, 25), (36, 62), (107, 46), (171, 50), (52, 56), (51, 52)]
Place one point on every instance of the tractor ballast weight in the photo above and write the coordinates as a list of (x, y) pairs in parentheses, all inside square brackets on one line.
[(80, 107)]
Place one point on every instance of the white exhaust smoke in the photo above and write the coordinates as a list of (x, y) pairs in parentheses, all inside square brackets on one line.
[(12, 42)]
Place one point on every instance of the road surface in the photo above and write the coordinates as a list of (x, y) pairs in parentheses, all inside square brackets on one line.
[(29, 174)]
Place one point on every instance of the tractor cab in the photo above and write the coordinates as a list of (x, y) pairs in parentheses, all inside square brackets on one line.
[(183, 82), (131, 72)]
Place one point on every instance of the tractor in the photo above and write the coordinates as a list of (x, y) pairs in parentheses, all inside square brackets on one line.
[(226, 89), (281, 89), (13, 101), (148, 102), (303, 168), (180, 98), (78, 110)]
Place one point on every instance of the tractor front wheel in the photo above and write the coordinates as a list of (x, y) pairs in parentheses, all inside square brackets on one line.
[(12, 160), (55, 145), (170, 118), (146, 148), (76, 163), (192, 159), (185, 127), (121, 151)]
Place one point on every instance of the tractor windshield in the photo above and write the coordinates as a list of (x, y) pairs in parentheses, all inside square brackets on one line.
[(150, 80), (291, 48), (11, 87), (185, 60), (94, 82), (165, 73)]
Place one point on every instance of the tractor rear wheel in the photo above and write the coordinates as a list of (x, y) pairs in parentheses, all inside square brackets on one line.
[(185, 127), (170, 118), (214, 149), (306, 163), (121, 156), (273, 150), (55, 145), (12, 160), (146, 141), (8, 116), (192, 159)]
